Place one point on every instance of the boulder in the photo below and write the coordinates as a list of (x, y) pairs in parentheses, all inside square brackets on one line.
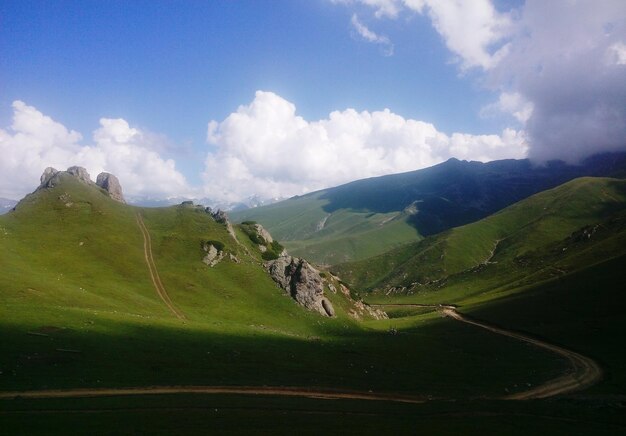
[(213, 255), (47, 176), (111, 184), (303, 282), (80, 173)]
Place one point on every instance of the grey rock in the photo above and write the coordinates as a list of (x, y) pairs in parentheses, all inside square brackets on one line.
[(220, 216), (81, 173), (47, 176), (303, 282), (106, 181), (213, 255), (111, 184), (263, 234)]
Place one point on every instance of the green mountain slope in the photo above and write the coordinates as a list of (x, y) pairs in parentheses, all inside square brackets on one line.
[(78, 308), (371, 216), (557, 231)]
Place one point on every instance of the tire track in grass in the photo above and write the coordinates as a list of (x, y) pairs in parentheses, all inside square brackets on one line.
[(585, 371), (281, 391), (154, 274)]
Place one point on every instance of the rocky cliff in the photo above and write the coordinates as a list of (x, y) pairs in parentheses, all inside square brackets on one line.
[(108, 182), (303, 282)]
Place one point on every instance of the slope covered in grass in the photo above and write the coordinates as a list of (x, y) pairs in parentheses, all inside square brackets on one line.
[(369, 217), (556, 231), (78, 309)]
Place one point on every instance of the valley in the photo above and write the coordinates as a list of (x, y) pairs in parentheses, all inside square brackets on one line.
[(115, 310)]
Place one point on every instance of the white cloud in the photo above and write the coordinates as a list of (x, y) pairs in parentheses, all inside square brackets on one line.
[(512, 103), (383, 8), (35, 141), (617, 53), (266, 148), (557, 66), (371, 36), (557, 60), (473, 30)]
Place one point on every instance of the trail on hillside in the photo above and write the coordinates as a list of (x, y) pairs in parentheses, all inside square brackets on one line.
[(154, 274), (585, 371), (282, 391)]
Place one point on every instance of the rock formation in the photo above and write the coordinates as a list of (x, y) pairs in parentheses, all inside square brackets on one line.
[(80, 173), (111, 184), (213, 254), (263, 234), (303, 282), (47, 176), (106, 181)]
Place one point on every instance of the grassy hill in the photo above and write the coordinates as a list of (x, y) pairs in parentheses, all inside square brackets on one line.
[(78, 309), (369, 217), (552, 233)]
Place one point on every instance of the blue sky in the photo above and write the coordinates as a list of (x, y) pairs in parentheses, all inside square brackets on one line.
[(167, 69)]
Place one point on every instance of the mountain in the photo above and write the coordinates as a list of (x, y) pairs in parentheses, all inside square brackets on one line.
[(550, 234), (368, 217), (169, 318), (6, 205), (250, 202)]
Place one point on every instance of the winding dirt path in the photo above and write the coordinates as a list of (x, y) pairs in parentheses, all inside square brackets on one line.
[(585, 371), (324, 394), (154, 274)]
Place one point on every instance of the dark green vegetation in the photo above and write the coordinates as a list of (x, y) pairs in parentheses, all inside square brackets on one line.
[(368, 217), (220, 415)]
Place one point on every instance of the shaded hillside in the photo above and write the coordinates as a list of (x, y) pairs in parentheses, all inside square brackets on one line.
[(551, 233), (368, 217)]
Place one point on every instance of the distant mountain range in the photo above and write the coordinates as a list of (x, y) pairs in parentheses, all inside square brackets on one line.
[(250, 202), (368, 217)]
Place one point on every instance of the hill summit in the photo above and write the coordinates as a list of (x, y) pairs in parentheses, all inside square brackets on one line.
[(106, 181)]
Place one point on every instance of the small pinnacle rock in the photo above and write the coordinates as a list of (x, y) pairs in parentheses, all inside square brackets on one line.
[(111, 184)]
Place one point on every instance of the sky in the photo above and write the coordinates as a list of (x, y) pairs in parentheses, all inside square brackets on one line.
[(230, 99)]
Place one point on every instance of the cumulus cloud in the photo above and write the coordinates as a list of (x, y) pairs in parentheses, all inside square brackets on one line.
[(473, 30), (365, 33), (557, 60), (35, 141), (559, 67), (266, 148), (512, 103)]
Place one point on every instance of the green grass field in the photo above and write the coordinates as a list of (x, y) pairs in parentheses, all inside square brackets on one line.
[(78, 310), (328, 238)]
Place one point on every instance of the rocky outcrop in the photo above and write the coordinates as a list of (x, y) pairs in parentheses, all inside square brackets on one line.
[(80, 173), (47, 176), (213, 254), (106, 181), (360, 310), (303, 282), (111, 184), (221, 217), (263, 234)]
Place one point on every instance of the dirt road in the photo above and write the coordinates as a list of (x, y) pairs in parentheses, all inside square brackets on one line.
[(585, 371), (154, 274), (325, 394)]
